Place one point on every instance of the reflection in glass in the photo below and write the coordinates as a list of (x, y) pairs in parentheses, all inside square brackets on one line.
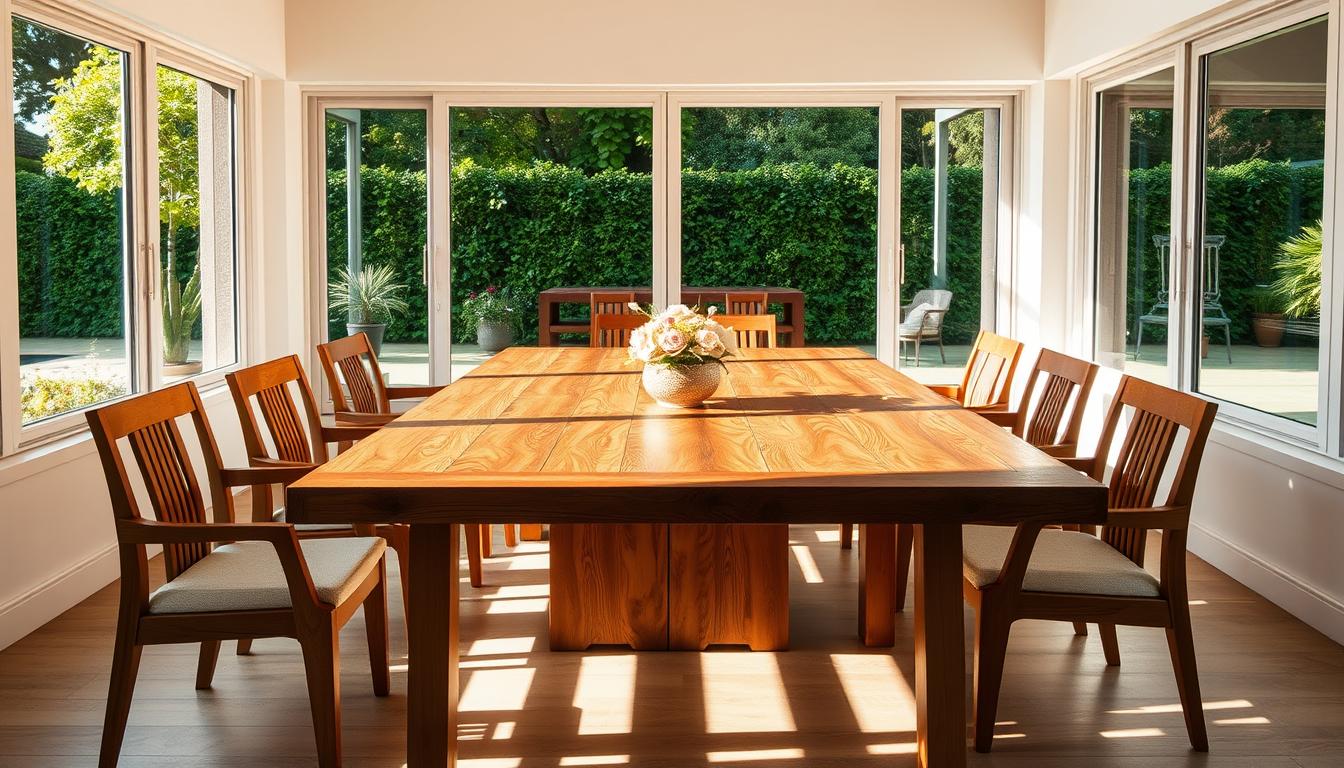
[(70, 130), (1260, 271), (1133, 225)]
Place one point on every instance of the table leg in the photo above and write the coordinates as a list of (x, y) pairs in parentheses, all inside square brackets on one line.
[(877, 585), (529, 531), (940, 661), (796, 320), (431, 707), (544, 320)]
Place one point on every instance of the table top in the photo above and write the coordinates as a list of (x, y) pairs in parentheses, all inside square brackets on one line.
[(583, 291), (793, 435)]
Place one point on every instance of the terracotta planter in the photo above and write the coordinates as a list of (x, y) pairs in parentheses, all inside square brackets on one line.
[(1268, 328), (682, 386)]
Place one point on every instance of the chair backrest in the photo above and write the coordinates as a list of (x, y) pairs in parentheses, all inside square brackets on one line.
[(753, 331), (989, 371), (1055, 419), (344, 360), (746, 303), (1158, 415), (610, 303), (1210, 268), (611, 330), (936, 298), (149, 424), (269, 384)]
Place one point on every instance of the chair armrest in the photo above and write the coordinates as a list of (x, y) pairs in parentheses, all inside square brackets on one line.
[(402, 393), (999, 418), (1080, 463), (344, 418), (947, 390), (1160, 518), (340, 433), (270, 473), (925, 322)]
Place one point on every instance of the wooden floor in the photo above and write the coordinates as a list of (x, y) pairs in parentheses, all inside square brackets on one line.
[(1273, 688)]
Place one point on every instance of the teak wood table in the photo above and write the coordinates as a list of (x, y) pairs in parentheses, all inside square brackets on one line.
[(549, 302), (795, 436)]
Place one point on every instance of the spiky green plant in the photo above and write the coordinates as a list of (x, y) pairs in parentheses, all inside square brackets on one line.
[(1299, 267), (373, 296), (181, 309)]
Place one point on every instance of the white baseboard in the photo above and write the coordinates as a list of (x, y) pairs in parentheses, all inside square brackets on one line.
[(29, 611), (1313, 606)]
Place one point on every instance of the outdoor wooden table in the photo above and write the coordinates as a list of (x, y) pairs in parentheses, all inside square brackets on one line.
[(796, 436), (550, 325)]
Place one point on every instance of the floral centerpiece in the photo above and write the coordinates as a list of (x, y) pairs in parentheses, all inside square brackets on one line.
[(490, 314), (682, 351)]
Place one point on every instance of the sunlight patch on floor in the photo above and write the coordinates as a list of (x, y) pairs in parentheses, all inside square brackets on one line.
[(877, 692), (831, 534), (595, 760), (1157, 709), (501, 646), (605, 694), (503, 730), (537, 562), (1133, 733), (807, 564), (1242, 721), (520, 605), (906, 748), (511, 591), (746, 755), (496, 690), (744, 693)]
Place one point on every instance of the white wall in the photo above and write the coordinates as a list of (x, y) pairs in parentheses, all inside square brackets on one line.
[(249, 32), (1083, 32), (687, 42)]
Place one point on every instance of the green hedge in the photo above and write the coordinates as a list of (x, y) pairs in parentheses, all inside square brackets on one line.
[(1256, 204)]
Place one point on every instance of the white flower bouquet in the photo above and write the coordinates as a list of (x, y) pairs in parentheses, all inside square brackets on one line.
[(681, 336)]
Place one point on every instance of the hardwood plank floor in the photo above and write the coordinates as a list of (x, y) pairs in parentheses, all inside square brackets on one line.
[(1273, 689)]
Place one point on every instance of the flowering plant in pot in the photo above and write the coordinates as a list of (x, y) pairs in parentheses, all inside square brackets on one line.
[(682, 351), (490, 313), (371, 298), (1266, 317)]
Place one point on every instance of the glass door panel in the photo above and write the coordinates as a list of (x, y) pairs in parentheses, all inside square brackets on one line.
[(377, 235), (783, 200), (549, 206), (949, 235)]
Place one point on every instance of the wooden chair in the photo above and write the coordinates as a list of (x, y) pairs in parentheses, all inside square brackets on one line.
[(351, 361), (261, 582), (1069, 575), (611, 330), (753, 331), (610, 303), (1052, 421), (298, 442), (988, 377), (746, 303)]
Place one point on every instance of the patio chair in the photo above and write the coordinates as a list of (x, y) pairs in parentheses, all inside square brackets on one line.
[(225, 580), (752, 331), (922, 320), (746, 303), (613, 330), (1212, 315), (1032, 572)]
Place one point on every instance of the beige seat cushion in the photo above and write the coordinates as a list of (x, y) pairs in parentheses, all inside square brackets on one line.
[(246, 576), (279, 517), (1062, 561)]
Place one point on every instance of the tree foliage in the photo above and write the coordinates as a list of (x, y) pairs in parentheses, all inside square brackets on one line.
[(41, 56)]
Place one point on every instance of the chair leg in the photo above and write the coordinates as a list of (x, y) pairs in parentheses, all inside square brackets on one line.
[(1138, 340), (916, 351), (1080, 628), (1227, 340), (991, 648), (205, 665), (487, 540), (1181, 643), (375, 626), (245, 646), (846, 535), (510, 535), (1109, 644), (473, 534), (401, 544), (322, 663), (941, 354), (120, 690), (905, 544)]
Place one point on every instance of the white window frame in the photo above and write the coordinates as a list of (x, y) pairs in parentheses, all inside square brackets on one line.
[(144, 49)]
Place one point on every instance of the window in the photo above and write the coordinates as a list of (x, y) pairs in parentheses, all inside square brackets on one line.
[(1133, 226), (127, 272), (1257, 265), (71, 127)]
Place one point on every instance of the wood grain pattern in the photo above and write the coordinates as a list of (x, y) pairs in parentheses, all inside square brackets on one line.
[(799, 435)]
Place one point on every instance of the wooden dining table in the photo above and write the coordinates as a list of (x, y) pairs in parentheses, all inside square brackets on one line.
[(794, 435)]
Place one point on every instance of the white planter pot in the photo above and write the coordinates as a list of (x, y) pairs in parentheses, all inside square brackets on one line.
[(682, 386)]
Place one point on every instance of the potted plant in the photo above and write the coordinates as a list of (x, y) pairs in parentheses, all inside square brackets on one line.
[(1266, 319), (490, 313), (371, 298), (682, 351), (181, 309), (1299, 267)]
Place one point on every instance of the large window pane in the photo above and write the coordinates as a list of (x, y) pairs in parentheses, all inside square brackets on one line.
[(196, 224), (377, 198), (547, 205), (1260, 261), (70, 133), (1133, 226), (949, 232), (783, 200)]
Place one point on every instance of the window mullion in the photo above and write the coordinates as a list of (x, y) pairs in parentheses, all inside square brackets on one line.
[(144, 187)]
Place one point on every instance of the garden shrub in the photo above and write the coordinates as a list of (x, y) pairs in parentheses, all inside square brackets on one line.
[(42, 396)]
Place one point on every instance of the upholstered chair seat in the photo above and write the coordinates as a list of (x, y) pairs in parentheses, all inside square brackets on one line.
[(1062, 561)]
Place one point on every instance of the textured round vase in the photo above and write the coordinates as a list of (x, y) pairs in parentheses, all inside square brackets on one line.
[(682, 386), (493, 337)]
